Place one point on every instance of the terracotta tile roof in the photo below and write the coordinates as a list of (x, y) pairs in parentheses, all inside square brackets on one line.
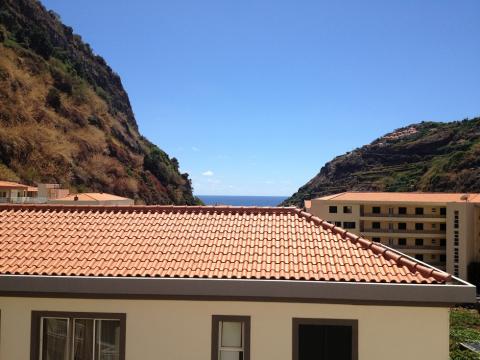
[(92, 197), (402, 197), (12, 185), (207, 242)]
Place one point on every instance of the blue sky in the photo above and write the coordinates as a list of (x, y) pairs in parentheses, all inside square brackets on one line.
[(253, 97)]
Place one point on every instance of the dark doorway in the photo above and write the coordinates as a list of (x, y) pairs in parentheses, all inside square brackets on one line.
[(317, 339)]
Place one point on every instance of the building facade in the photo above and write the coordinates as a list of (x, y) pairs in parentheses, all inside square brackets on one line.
[(211, 283), (440, 229)]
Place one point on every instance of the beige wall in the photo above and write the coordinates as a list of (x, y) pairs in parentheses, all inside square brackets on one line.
[(181, 330)]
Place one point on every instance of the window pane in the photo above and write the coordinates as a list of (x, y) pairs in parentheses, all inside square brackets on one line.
[(54, 339), (83, 341), (107, 340), (231, 355), (329, 342), (231, 334)]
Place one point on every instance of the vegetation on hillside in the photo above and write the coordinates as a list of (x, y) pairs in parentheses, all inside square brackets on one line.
[(65, 117), (464, 327), (430, 156)]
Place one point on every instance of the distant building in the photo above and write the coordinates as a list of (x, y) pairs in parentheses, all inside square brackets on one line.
[(15, 193), (12, 192), (93, 199), (51, 191), (442, 229)]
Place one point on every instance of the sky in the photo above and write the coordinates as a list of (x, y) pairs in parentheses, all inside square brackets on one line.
[(253, 97)]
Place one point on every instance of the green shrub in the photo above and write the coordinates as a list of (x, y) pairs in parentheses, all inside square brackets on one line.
[(61, 81), (40, 43), (53, 99)]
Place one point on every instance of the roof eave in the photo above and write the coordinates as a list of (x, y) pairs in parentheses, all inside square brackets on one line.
[(238, 290)]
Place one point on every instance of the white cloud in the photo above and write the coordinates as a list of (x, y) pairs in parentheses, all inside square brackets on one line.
[(208, 173)]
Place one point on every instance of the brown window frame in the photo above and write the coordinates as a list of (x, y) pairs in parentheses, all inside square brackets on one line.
[(37, 315), (296, 322), (215, 333)]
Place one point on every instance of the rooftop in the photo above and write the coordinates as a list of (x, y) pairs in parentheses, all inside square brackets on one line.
[(195, 242), (12, 185), (403, 197), (91, 197)]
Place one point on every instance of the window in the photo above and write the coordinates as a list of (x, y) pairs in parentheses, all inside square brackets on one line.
[(402, 210), (347, 209), (418, 242), (443, 227), (376, 239), (418, 211), (338, 223), (443, 211), (375, 225), (230, 337), (419, 257), (443, 258), (332, 209), (78, 336), (402, 241), (349, 224), (418, 226), (402, 226), (376, 210), (434, 226), (443, 242), (325, 339)]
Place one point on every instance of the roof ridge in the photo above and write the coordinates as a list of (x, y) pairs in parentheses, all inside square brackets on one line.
[(387, 252), (140, 208)]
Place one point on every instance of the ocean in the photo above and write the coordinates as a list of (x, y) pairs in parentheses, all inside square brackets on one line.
[(242, 200)]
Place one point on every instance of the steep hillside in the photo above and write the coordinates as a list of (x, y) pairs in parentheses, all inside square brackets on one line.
[(428, 156), (65, 116)]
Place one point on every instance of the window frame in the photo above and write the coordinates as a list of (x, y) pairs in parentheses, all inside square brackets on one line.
[(215, 348), (332, 209), (36, 327), (296, 322)]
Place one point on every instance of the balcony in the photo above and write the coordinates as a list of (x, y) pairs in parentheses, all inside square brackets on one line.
[(398, 231), (423, 216), (419, 247), (23, 200)]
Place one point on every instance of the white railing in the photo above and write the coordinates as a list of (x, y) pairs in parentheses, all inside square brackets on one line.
[(23, 200)]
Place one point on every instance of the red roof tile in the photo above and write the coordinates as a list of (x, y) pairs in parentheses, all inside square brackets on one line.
[(207, 242)]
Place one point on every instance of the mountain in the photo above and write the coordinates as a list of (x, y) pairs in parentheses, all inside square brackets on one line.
[(65, 116), (430, 156)]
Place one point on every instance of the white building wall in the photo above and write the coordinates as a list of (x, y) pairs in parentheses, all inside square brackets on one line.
[(181, 330)]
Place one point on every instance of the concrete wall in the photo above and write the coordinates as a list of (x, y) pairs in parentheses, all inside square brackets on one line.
[(181, 330)]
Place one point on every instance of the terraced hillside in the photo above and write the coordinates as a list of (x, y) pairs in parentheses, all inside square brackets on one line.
[(430, 156)]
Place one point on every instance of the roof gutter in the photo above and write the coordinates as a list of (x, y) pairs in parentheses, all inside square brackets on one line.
[(237, 290)]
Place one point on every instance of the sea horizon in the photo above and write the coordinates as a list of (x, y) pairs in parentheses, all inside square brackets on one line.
[(242, 200)]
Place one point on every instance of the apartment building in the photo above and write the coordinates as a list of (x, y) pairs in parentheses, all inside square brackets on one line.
[(12, 192), (441, 229)]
